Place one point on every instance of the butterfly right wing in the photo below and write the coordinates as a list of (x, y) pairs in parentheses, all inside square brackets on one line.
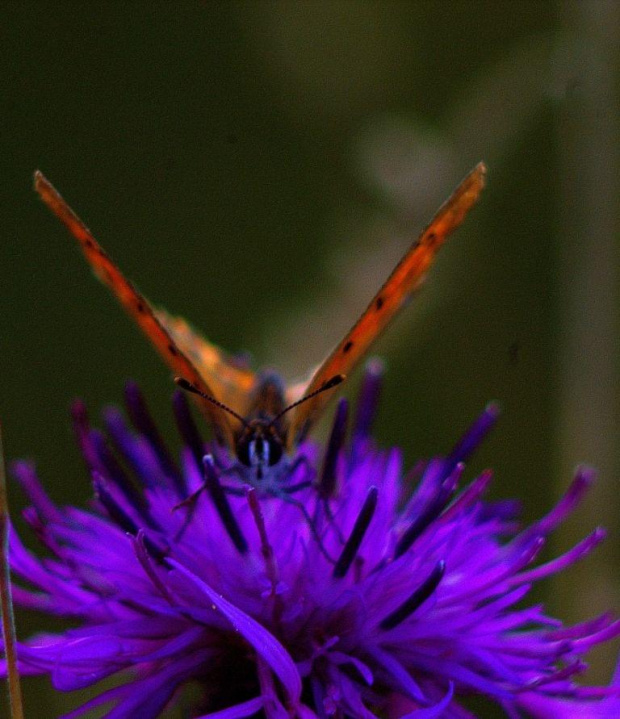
[(136, 305), (406, 277)]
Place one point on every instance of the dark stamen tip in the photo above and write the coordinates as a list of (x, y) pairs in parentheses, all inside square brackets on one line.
[(327, 482), (143, 422), (417, 598), (220, 501), (112, 506), (116, 512), (143, 549), (78, 411), (187, 427), (431, 511), (81, 424), (354, 541), (368, 398), (110, 467), (476, 433), (156, 551)]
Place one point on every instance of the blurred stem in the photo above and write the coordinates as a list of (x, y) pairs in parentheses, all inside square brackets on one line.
[(587, 241), (6, 604)]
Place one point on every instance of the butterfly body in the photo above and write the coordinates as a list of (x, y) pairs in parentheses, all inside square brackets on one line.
[(261, 442), (255, 415)]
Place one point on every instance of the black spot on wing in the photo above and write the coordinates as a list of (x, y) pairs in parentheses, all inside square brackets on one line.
[(348, 346), (379, 303)]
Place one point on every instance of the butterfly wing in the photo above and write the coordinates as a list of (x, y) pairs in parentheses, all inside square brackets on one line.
[(398, 288), (231, 382), (164, 338)]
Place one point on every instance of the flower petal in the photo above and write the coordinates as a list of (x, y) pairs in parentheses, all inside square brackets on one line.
[(434, 711), (238, 711), (260, 638)]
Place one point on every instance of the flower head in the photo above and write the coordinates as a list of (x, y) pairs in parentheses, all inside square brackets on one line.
[(345, 590)]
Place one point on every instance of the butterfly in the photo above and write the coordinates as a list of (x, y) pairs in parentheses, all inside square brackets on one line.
[(254, 415)]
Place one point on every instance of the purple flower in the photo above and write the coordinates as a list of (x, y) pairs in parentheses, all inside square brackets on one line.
[(350, 590)]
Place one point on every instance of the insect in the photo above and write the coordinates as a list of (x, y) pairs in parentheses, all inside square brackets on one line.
[(255, 415)]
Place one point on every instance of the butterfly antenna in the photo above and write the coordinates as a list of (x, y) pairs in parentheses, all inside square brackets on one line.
[(189, 387), (329, 384)]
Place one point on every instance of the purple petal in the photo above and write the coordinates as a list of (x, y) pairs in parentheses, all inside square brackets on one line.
[(434, 711), (149, 696), (86, 661), (578, 552), (103, 698), (26, 475), (238, 711), (583, 480), (262, 640)]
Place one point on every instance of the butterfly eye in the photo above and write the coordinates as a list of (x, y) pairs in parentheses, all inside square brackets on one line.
[(243, 453), (275, 451), (254, 452), (260, 452)]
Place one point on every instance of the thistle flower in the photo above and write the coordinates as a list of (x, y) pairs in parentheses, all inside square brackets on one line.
[(351, 592)]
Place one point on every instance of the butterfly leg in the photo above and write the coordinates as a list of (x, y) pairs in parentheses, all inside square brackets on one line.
[(323, 501), (296, 487), (290, 471), (324, 504), (311, 524), (190, 502)]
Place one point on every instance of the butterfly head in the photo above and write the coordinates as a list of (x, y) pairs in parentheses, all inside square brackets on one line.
[(259, 446), (261, 440)]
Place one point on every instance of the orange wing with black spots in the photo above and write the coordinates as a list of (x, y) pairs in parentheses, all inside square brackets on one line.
[(232, 384), (210, 371), (165, 338), (398, 288)]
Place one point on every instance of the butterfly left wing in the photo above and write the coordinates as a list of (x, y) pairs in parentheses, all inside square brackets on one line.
[(231, 383), (137, 307), (406, 277)]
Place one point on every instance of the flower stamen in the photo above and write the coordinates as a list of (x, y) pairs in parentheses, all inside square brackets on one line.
[(187, 427), (326, 486), (475, 434), (357, 534), (120, 517), (419, 596), (428, 515), (368, 402), (220, 501), (143, 422)]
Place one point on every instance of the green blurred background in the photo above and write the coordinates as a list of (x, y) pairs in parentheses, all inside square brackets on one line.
[(260, 166)]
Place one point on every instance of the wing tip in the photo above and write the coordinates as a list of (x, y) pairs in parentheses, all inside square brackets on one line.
[(39, 179), (479, 174), (470, 188), (43, 186)]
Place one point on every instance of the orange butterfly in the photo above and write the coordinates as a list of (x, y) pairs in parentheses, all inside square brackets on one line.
[(253, 414)]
